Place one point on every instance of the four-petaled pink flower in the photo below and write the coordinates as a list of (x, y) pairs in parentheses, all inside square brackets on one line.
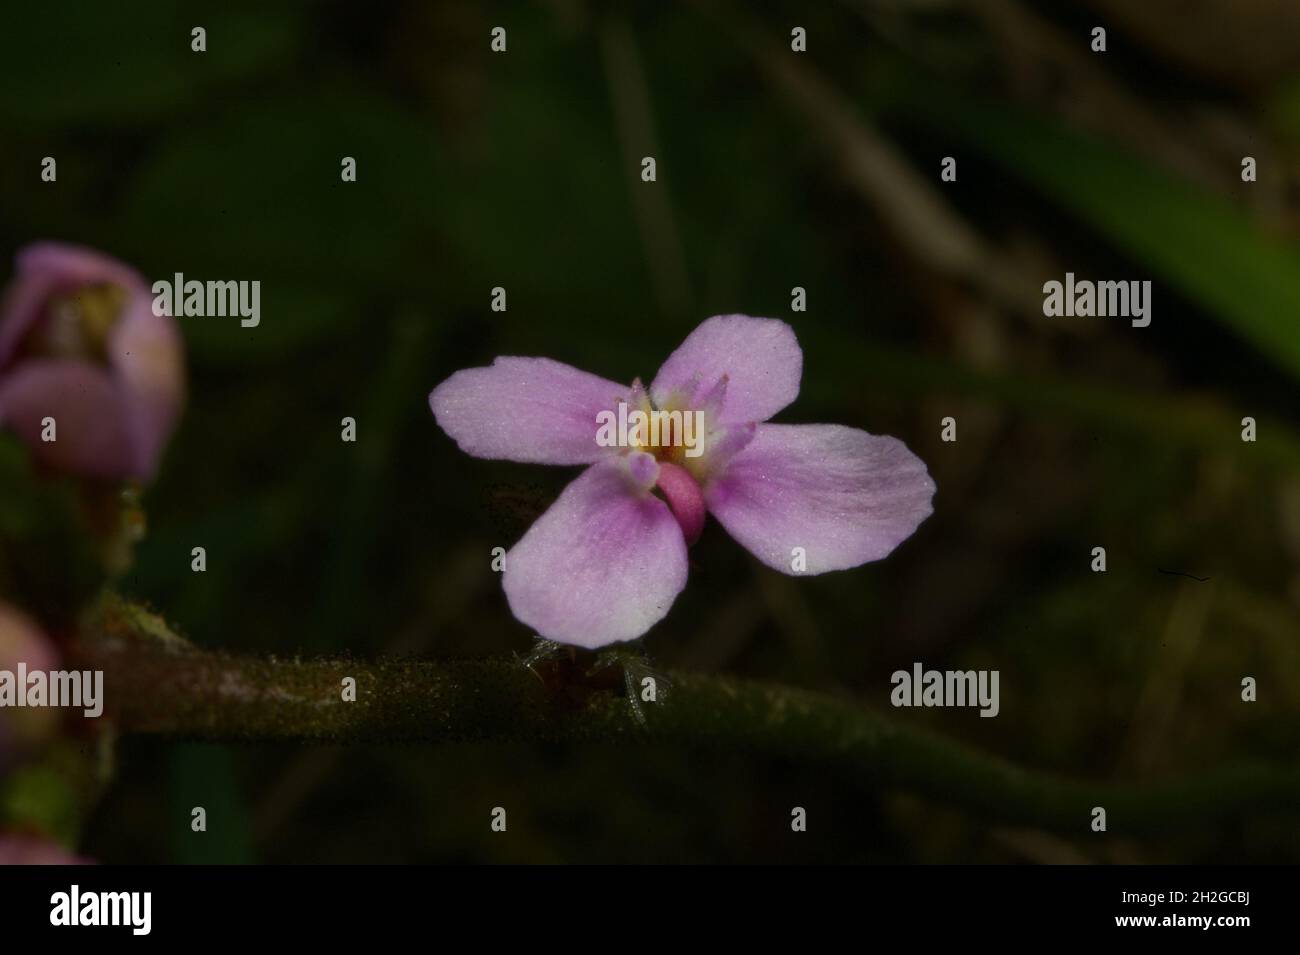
[(80, 344), (607, 560)]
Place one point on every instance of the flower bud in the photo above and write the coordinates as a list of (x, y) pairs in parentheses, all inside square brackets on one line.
[(90, 378)]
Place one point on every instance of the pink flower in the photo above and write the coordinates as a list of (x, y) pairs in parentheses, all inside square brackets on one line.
[(607, 560), (80, 343)]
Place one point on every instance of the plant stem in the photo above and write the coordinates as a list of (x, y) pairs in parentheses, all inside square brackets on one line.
[(158, 684)]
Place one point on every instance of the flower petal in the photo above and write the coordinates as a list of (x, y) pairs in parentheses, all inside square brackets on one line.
[(841, 494), (532, 410), (760, 356), (76, 264), (148, 358), (602, 565), (44, 269), (90, 415)]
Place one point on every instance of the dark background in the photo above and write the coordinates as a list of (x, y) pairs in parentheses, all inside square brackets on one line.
[(821, 171)]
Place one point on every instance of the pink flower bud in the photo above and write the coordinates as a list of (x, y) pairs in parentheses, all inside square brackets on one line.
[(90, 378)]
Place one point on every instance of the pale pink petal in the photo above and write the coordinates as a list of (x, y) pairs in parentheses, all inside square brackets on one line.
[(721, 445), (90, 413), (23, 304), (46, 269), (148, 357), (77, 264), (532, 410), (602, 565), (842, 495), (760, 357)]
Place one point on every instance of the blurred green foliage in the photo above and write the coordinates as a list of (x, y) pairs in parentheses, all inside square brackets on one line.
[(49, 558)]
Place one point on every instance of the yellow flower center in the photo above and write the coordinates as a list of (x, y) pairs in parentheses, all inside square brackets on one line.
[(77, 324)]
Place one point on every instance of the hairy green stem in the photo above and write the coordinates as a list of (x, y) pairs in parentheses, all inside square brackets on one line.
[(158, 684)]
